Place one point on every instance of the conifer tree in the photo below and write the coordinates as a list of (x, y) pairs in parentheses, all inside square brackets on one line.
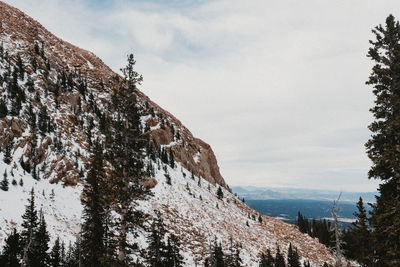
[(37, 254), (4, 183), (383, 146), (156, 251), (360, 245), (29, 224), (94, 211), (173, 256), (127, 147), (7, 152), (12, 250), (293, 257), (55, 255), (43, 120), (279, 260), (267, 260), (220, 194), (3, 108), (171, 159), (233, 258)]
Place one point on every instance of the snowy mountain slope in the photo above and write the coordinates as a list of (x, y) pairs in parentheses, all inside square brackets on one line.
[(75, 88)]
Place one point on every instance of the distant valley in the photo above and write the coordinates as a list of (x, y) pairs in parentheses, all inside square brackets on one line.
[(284, 203)]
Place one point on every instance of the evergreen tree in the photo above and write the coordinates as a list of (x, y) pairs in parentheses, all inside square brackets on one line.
[(173, 256), (4, 183), (55, 255), (220, 194), (293, 257), (358, 238), (43, 120), (3, 108), (279, 260), (216, 258), (157, 250), (29, 224), (383, 146), (37, 254), (267, 260), (94, 211), (20, 66), (12, 250), (127, 152), (233, 258), (171, 159), (7, 152)]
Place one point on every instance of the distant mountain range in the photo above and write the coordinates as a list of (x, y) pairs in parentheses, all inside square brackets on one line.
[(269, 193)]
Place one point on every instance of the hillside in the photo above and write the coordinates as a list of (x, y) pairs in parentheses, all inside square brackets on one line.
[(58, 98)]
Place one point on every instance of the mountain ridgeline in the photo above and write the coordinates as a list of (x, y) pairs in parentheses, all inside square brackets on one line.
[(111, 178)]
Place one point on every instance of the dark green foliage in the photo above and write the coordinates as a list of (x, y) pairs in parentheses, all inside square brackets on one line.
[(260, 219), (159, 253), (233, 258), (3, 108), (216, 258), (173, 257), (171, 159), (55, 254), (267, 260), (358, 240), (279, 260), (20, 66), (168, 179), (7, 152), (37, 253), (30, 219), (220, 194), (43, 120), (126, 146), (4, 183), (320, 229), (383, 146), (94, 211), (293, 257), (14, 182), (12, 251)]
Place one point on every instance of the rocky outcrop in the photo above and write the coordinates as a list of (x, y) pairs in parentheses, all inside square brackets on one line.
[(23, 32)]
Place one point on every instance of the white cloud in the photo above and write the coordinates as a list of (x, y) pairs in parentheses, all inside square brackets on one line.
[(277, 88)]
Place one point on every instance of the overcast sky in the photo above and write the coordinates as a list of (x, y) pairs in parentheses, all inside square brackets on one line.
[(277, 88)]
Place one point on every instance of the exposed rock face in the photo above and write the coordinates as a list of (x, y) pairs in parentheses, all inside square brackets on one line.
[(23, 32)]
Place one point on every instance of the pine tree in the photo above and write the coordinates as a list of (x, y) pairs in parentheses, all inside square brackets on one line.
[(173, 256), (94, 211), (7, 152), (4, 183), (279, 260), (293, 257), (233, 258), (29, 224), (216, 258), (267, 260), (360, 243), (171, 159), (12, 250), (156, 251), (43, 120), (3, 108), (37, 254), (127, 147), (220, 194), (55, 255), (383, 146)]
